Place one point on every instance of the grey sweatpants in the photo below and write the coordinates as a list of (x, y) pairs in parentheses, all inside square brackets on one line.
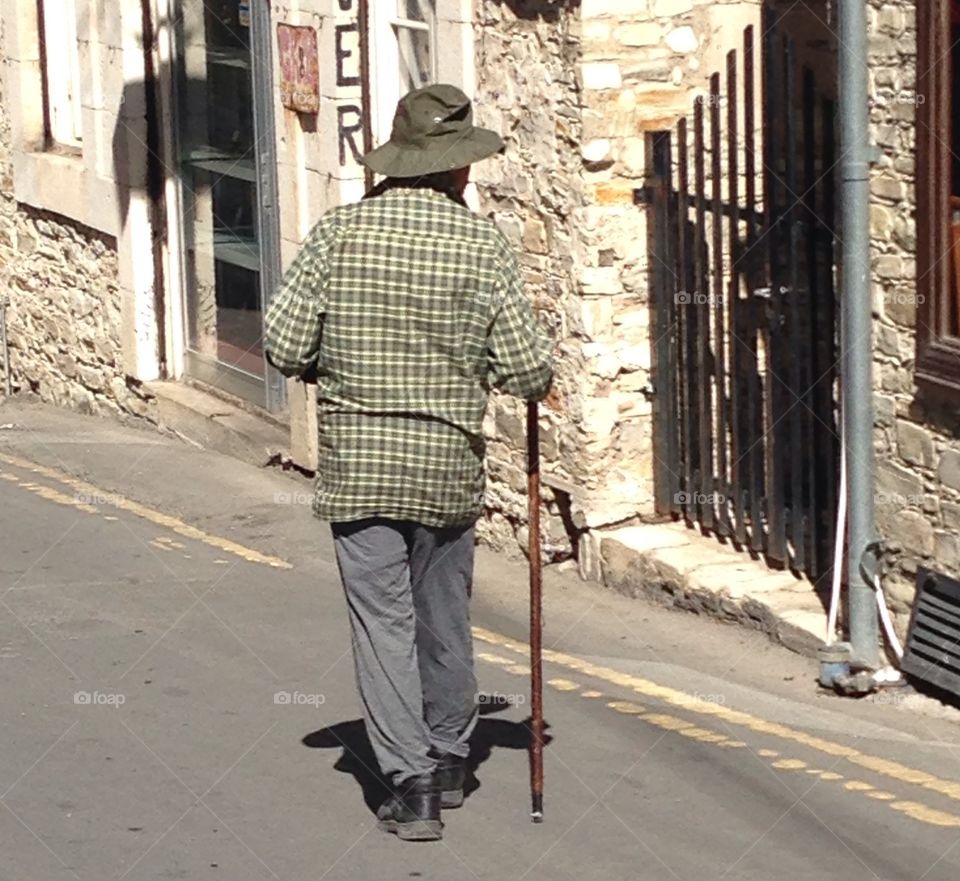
[(408, 594)]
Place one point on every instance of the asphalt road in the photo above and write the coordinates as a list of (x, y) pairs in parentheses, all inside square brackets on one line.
[(178, 702)]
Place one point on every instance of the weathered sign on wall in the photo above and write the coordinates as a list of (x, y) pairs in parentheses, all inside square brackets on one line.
[(299, 68)]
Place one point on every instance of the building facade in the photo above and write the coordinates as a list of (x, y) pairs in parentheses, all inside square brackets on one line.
[(161, 161)]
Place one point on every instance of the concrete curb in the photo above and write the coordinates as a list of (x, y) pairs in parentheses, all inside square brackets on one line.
[(215, 424), (674, 566)]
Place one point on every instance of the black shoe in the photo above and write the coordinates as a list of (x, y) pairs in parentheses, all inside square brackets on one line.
[(451, 776), (413, 811)]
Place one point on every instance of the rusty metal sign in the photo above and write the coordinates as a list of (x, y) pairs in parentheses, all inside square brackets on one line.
[(299, 68)]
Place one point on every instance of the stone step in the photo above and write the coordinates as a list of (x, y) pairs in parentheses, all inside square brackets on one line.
[(674, 565)]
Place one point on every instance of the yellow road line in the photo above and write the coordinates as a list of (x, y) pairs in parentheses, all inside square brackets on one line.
[(858, 786), (627, 707), (791, 765), (88, 490), (674, 697), (884, 767), (563, 684)]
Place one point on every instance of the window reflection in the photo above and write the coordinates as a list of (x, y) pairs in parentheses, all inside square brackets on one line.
[(218, 175)]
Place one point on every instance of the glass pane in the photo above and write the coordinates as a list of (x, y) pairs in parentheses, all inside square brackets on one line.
[(415, 64), (417, 10), (219, 182)]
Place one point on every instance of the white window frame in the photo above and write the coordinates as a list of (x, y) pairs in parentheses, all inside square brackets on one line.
[(62, 73), (385, 69)]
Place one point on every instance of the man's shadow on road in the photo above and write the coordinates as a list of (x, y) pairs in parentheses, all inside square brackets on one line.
[(359, 760)]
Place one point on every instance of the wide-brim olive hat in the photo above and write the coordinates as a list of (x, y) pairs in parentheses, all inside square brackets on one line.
[(433, 131)]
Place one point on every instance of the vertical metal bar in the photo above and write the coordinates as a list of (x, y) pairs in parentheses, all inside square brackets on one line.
[(775, 497), (701, 308), (721, 484), (754, 458), (156, 176), (44, 75), (793, 342), (733, 302), (827, 313), (268, 201), (666, 410), (856, 328), (814, 417), (366, 100), (687, 318), (536, 609)]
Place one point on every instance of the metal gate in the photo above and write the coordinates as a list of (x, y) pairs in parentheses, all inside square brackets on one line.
[(742, 261)]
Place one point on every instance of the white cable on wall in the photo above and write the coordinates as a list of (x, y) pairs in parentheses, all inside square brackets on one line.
[(838, 545), (886, 619)]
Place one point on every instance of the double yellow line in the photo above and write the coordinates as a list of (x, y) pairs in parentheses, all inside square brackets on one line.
[(892, 770)]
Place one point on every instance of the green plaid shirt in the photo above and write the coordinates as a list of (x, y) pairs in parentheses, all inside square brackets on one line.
[(409, 308)]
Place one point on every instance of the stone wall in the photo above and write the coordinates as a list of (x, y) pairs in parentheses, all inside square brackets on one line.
[(916, 440), (526, 88), (63, 317), (576, 88), (644, 65)]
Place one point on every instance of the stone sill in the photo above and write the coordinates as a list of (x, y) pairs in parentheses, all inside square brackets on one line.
[(59, 182), (215, 423), (677, 566)]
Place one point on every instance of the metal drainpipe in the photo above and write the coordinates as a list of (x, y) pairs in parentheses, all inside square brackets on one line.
[(156, 177), (856, 330), (363, 24)]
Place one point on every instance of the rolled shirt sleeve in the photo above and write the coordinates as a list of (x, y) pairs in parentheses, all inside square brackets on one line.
[(294, 320), (520, 359)]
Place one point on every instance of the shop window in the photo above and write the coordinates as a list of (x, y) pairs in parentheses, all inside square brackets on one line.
[(60, 58)]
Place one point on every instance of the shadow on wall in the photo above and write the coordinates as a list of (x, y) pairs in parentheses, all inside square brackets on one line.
[(211, 155)]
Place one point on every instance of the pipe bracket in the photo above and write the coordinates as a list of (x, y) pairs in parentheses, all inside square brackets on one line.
[(871, 562)]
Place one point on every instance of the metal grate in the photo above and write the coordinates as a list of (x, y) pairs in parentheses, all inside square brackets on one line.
[(933, 640)]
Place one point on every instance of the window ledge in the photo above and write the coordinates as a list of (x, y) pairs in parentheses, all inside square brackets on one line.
[(61, 183), (938, 365)]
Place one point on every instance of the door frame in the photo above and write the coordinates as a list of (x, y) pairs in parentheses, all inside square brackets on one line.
[(270, 392)]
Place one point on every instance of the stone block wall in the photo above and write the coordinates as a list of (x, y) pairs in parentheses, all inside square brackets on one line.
[(61, 280), (526, 88), (644, 66), (576, 87), (917, 441)]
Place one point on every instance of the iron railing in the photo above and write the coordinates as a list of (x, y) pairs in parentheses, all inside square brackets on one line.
[(744, 325)]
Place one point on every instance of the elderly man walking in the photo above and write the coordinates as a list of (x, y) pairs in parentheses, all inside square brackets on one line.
[(408, 308)]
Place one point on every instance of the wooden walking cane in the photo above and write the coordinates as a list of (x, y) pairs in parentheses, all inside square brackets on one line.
[(536, 605)]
